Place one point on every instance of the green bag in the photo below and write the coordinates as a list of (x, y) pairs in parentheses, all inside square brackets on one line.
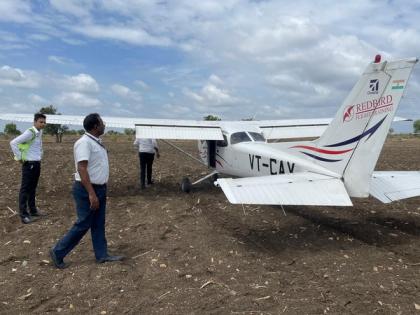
[(24, 147)]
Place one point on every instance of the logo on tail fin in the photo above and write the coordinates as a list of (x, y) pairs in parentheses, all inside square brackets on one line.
[(373, 86), (348, 113), (366, 109)]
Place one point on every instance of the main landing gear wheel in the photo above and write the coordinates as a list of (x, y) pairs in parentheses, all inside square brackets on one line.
[(186, 185)]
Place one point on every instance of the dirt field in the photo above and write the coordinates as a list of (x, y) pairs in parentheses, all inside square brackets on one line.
[(198, 254)]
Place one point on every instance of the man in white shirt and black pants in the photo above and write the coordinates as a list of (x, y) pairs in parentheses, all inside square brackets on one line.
[(89, 193), (147, 149), (27, 149)]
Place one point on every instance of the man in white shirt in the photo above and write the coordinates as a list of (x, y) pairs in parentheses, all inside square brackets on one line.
[(147, 149), (89, 193), (27, 149)]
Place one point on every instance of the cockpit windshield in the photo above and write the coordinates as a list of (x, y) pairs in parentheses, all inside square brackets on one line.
[(257, 136), (238, 137)]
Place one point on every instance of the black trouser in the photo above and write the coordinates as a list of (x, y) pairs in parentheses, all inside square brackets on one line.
[(146, 162), (30, 176)]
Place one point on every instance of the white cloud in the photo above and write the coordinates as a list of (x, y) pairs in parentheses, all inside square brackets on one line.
[(407, 40), (215, 79), (79, 8), (142, 84), (176, 109), (76, 99), (18, 107), (134, 35), (15, 11), (83, 83), (72, 41), (39, 37), (303, 56), (37, 99), (211, 94), (60, 60), (126, 92), (18, 78)]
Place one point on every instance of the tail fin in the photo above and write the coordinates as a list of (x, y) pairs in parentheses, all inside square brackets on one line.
[(356, 135)]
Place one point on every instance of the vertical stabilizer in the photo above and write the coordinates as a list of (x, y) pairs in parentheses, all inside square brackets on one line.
[(354, 139)]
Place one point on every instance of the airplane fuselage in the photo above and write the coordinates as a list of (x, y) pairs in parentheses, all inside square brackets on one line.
[(249, 159)]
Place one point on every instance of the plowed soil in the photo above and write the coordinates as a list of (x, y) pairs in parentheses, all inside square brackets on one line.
[(197, 254)]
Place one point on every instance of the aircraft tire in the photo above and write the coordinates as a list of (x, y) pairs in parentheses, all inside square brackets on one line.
[(186, 185)]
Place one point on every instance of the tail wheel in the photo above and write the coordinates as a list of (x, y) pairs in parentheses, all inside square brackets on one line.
[(186, 185)]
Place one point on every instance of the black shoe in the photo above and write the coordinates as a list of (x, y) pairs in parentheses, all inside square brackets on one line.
[(143, 187), (151, 183), (26, 220), (37, 213), (109, 258), (60, 264)]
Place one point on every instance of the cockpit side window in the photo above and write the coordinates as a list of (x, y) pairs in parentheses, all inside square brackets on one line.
[(222, 143), (257, 136), (238, 137)]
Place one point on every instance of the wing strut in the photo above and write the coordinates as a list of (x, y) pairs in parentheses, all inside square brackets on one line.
[(182, 151)]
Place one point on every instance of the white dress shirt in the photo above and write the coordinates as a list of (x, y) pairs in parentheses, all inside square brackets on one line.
[(35, 150), (146, 145), (89, 148)]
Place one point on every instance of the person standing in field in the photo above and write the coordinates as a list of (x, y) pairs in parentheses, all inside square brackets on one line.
[(147, 149), (27, 149), (89, 193)]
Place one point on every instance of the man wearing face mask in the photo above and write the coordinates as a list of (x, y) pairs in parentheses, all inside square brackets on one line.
[(27, 149), (89, 193)]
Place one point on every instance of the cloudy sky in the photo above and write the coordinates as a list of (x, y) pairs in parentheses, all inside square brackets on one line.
[(186, 59)]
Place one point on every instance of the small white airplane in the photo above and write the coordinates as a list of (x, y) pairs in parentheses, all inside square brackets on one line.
[(326, 172)]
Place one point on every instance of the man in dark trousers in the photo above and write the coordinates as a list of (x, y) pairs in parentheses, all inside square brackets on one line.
[(147, 150), (27, 149), (89, 193)]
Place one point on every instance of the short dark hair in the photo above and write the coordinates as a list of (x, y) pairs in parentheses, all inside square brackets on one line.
[(91, 121), (39, 116)]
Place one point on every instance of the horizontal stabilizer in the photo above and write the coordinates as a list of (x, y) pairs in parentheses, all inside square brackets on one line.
[(179, 132), (392, 186), (293, 189)]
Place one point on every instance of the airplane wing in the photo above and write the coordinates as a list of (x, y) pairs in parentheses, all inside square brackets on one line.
[(307, 189), (195, 129), (391, 186)]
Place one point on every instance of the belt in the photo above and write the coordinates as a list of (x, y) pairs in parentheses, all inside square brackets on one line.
[(32, 162), (93, 185), (98, 185)]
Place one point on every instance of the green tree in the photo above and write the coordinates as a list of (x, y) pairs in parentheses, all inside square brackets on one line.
[(52, 129), (113, 132), (10, 129), (211, 117), (416, 126), (129, 131), (70, 132)]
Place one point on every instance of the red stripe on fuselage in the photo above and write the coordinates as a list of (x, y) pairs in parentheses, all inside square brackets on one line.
[(321, 150)]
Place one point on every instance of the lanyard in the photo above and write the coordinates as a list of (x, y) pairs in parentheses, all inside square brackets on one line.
[(96, 141)]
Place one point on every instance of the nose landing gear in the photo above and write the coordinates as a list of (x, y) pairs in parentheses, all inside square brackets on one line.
[(186, 184)]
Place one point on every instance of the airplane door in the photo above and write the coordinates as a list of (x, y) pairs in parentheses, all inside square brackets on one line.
[(211, 153), (223, 156), (207, 152)]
